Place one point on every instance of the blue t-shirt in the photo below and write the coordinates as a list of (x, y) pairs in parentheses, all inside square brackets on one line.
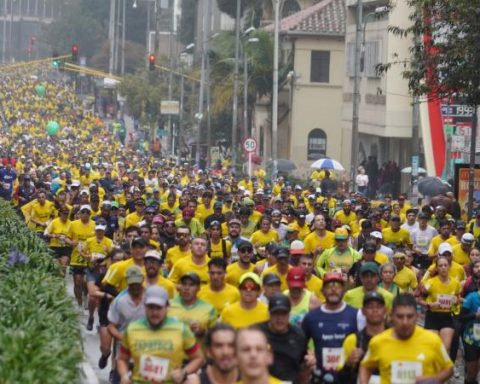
[(471, 333), (328, 330), (7, 178)]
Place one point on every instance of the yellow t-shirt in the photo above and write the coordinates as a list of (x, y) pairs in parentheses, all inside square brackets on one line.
[(315, 285), (381, 258), (185, 265), (175, 254), (216, 250), (303, 232), (132, 219), (41, 213), (312, 241), (116, 275), (354, 297), (58, 227), (165, 284), (98, 249), (399, 238), (219, 299), (260, 239), (282, 277), (172, 342), (201, 312), (80, 232), (234, 272), (345, 219), (436, 241), (422, 354), (460, 256), (444, 293), (203, 212), (406, 280), (238, 317), (456, 272)]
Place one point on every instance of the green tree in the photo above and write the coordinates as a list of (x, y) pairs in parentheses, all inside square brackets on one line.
[(444, 56)]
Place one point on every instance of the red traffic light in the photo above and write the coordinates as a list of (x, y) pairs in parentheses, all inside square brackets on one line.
[(151, 61), (74, 48)]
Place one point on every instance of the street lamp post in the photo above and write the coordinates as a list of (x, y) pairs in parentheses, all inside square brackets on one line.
[(235, 85), (245, 85), (276, 43)]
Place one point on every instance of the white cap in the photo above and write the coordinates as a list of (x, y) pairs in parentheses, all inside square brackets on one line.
[(297, 247), (468, 238), (87, 166), (259, 191), (100, 227), (376, 235), (85, 206), (83, 191), (153, 254), (107, 202), (298, 187), (444, 247), (75, 183)]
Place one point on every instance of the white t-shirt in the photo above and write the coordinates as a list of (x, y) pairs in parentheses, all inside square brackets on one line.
[(409, 228), (362, 180), (421, 238)]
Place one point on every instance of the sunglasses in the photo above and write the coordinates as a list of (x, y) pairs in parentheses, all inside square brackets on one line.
[(84, 211), (169, 224), (249, 286), (334, 284), (245, 249)]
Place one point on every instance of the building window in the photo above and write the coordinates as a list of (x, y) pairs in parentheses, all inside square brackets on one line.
[(317, 144), (290, 7), (320, 67)]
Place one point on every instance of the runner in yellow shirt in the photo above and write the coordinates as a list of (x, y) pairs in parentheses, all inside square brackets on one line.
[(281, 267), (248, 310), (58, 231), (153, 264), (265, 234), (217, 292), (197, 263), (236, 270), (406, 350), (320, 239), (461, 252), (158, 345), (181, 250), (405, 278)]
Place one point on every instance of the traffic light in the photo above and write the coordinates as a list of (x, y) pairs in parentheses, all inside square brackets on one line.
[(74, 53), (56, 63), (151, 62)]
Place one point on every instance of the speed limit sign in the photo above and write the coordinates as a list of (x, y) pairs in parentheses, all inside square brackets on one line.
[(250, 144)]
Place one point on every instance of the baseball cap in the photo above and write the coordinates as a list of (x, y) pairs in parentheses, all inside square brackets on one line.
[(250, 276), (100, 227), (156, 295), (282, 252), (244, 243), (297, 248), (153, 255), (296, 277), (468, 238), (217, 205), (394, 218), (139, 241), (192, 276), (376, 235), (234, 221), (279, 302), (341, 234), (85, 206), (158, 219), (134, 275), (84, 192), (106, 203), (460, 224), (373, 296), (271, 278), (369, 247), (423, 216), (333, 276), (369, 266), (444, 247)]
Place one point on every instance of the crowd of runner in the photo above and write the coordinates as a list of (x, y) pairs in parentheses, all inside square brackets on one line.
[(201, 276)]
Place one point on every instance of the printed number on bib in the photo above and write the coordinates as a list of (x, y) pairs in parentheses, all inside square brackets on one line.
[(331, 358), (154, 369), (446, 301), (406, 372)]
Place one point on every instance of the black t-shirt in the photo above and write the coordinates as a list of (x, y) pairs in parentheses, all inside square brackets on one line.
[(289, 350)]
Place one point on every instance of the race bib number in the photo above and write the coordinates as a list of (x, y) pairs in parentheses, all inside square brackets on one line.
[(374, 379), (6, 185), (81, 246), (406, 372), (476, 331), (446, 301), (154, 369), (331, 358)]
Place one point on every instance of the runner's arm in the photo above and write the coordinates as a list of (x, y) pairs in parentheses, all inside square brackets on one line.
[(364, 374)]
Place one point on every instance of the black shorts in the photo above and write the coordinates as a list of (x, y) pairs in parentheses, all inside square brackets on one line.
[(471, 352), (59, 252), (438, 320), (103, 312), (77, 269)]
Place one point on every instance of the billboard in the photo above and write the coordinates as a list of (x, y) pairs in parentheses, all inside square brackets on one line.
[(461, 184)]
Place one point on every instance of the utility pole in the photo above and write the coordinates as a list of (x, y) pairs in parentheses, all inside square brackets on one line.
[(473, 149), (157, 28), (245, 93), (111, 35), (124, 11), (117, 38), (170, 76), (207, 81), (356, 94), (276, 47), (199, 116), (235, 85), (4, 42), (180, 116)]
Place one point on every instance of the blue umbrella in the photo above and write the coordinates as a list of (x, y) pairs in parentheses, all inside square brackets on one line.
[(327, 164)]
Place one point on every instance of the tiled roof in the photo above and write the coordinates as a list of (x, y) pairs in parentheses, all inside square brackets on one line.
[(327, 17)]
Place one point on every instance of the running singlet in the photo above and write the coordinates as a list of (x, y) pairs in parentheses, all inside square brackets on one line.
[(328, 329)]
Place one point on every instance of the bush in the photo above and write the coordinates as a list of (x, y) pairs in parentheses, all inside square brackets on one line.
[(40, 341)]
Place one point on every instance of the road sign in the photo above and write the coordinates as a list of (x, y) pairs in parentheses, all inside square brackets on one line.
[(170, 107), (250, 144), (415, 163)]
